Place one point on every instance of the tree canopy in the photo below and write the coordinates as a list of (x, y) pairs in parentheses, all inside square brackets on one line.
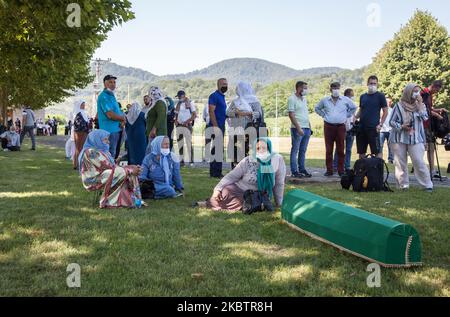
[(46, 47), (419, 53)]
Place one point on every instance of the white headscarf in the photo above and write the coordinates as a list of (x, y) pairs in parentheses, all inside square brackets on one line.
[(133, 113), (77, 109), (155, 95), (246, 96)]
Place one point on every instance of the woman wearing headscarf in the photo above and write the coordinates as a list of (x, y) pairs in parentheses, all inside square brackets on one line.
[(120, 185), (243, 112), (135, 132), (408, 136), (162, 167), (264, 171), (80, 129), (157, 116)]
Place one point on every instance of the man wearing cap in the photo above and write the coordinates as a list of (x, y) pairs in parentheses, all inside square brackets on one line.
[(110, 116), (185, 114)]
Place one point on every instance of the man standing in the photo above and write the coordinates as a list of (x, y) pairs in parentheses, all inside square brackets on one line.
[(170, 119), (427, 96), (185, 114), (349, 137), (300, 129), (371, 105), (110, 116), (385, 132), (217, 116), (335, 110), (29, 122)]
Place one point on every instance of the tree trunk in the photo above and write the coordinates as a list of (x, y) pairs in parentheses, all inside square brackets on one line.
[(4, 107)]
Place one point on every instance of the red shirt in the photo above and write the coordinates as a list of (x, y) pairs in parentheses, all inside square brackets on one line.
[(428, 101)]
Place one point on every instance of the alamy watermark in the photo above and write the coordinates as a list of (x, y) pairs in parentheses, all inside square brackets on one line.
[(74, 18), (74, 278)]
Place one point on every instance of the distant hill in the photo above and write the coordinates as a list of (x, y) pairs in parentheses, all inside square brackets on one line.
[(256, 71), (200, 83)]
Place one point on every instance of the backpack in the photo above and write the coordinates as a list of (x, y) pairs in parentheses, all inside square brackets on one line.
[(367, 176), (441, 127), (256, 201)]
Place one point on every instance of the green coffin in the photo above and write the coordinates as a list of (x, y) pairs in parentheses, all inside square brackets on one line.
[(366, 235)]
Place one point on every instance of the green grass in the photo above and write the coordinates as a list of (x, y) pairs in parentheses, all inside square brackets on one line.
[(47, 221)]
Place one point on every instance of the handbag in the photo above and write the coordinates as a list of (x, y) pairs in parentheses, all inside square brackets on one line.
[(256, 201)]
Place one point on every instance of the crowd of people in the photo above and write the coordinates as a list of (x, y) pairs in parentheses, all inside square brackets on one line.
[(151, 162), (150, 167)]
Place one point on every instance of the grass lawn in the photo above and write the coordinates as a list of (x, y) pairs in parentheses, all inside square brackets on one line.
[(47, 221)]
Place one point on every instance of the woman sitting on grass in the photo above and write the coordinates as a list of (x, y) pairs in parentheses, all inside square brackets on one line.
[(120, 185), (162, 167), (264, 171)]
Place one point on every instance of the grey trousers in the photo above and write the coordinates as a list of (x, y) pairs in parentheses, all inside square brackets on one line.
[(30, 131)]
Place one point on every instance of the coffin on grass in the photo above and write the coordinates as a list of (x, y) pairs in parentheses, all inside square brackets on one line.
[(363, 234)]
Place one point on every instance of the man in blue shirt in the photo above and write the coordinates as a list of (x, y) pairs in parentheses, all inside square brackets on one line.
[(110, 116), (217, 113), (371, 104)]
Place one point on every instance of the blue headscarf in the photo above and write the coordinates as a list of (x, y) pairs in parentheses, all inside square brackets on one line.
[(163, 160), (266, 174), (95, 141)]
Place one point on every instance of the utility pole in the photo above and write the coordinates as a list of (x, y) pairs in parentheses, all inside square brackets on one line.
[(98, 63)]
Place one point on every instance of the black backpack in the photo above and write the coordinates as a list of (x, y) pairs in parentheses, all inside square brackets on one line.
[(367, 176), (441, 127), (256, 201)]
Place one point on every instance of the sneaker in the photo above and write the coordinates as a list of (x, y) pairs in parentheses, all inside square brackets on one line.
[(305, 174), (429, 190), (297, 175), (436, 176), (328, 174)]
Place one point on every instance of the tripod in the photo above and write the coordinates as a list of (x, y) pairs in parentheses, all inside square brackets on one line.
[(434, 144)]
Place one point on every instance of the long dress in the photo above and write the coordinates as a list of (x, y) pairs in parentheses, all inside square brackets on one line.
[(120, 188), (137, 140)]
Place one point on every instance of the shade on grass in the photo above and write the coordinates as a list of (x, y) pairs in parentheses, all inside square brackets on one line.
[(47, 221)]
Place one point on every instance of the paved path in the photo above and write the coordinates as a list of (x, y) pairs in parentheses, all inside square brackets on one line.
[(318, 173)]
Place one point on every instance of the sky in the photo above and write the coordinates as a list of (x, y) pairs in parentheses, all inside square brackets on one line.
[(179, 36)]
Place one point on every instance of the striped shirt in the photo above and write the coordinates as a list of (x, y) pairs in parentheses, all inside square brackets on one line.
[(399, 135)]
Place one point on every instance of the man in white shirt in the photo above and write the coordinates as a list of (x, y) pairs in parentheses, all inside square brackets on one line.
[(185, 114), (385, 131), (335, 110)]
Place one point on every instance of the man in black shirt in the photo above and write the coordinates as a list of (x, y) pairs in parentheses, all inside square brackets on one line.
[(371, 104)]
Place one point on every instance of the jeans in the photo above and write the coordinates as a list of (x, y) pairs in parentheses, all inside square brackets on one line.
[(298, 150), (384, 136), (113, 142), (349, 140), (215, 168), (28, 130)]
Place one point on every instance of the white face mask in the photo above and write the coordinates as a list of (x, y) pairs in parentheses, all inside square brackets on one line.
[(263, 156), (416, 95), (336, 93), (373, 89), (165, 152), (305, 92)]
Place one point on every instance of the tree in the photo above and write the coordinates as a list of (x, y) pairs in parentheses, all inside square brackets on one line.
[(46, 47), (419, 53)]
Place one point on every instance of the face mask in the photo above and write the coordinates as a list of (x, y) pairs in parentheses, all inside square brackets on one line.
[(373, 89), (263, 156), (416, 95), (336, 93), (224, 89), (165, 152), (305, 92)]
